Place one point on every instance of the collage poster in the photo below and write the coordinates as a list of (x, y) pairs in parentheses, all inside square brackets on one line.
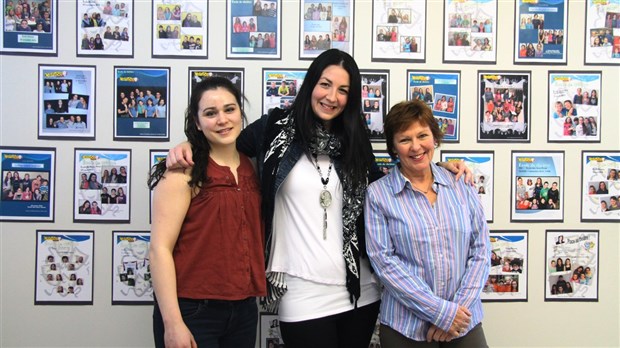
[(235, 76), (156, 156), (28, 189), (29, 27), (572, 265), (180, 29), (574, 106), (384, 161), (470, 32), (105, 28), (482, 165), (253, 29), (399, 30), (540, 31), (270, 336), (131, 271), (537, 186), (504, 106), (280, 88), (441, 92), (509, 267), (64, 267), (325, 25), (600, 186), (375, 101), (67, 102), (102, 185), (141, 104), (602, 45)]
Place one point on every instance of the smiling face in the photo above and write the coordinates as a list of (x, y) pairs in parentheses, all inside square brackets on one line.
[(330, 94), (219, 117), (415, 147)]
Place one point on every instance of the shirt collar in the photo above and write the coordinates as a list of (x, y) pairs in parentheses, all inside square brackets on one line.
[(399, 182)]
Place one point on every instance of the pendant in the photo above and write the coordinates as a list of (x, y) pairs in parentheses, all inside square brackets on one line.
[(325, 199)]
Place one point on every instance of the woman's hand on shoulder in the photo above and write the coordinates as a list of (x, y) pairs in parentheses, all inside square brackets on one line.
[(180, 156), (459, 168)]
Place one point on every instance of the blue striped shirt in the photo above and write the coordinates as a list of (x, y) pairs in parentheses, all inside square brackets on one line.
[(429, 258)]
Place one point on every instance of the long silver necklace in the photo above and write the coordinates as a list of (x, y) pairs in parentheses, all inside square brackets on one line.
[(325, 197)]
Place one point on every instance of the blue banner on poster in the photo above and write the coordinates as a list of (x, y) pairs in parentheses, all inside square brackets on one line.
[(26, 188)]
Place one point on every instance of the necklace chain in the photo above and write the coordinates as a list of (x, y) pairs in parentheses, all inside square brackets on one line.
[(318, 168), (325, 197)]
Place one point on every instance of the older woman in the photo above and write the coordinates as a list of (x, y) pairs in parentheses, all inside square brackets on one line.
[(427, 240)]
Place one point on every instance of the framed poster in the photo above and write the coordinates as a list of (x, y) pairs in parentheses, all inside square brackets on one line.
[(574, 106), (399, 31), (600, 186), (179, 29), (30, 28), (155, 157), (105, 28), (540, 32), (280, 87), (131, 269), (141, 104), (64, 267), (482, 165), (537, 186), (375, 101), (67, 102), (254, 29), (102, 185), (325, 25), (602, 44), (384, 161), (441, 90), (470, 31), (504, 106), (28, 184), (509, 267), (270, 335), (571, 265), (235, 75)]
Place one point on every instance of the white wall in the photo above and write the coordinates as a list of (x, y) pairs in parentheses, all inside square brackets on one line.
[(521, 324)]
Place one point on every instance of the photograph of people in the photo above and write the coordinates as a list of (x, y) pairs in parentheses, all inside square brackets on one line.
[(190, 266), (325, 147), (419, 301)]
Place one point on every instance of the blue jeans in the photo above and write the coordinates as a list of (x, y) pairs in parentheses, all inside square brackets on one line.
[(214, 323)]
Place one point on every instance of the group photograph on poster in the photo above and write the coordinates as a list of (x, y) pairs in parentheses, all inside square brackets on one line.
[(102, 185), (28, 184), (104, 28), (179, 29), (398, 31), (141, 104), (280, 87), (508, 275), (482, 165), (470, 31), (571, 265), (600, 186), (29, 28), (254, 29), (375, 101), (66, 102), (602, 44), (325, 25), (574, 106), (540, 32), (131, 268), (64, 267), (537, 186), (155, 156), (235, 75), (441, 91), (384, 161), (504, 106), (270, 336)]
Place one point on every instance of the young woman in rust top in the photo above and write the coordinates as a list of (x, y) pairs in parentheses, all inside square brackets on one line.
[(206, 247)]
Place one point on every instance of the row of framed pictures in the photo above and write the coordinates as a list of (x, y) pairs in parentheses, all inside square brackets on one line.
[(254, 28), (102, 183), (142, 110), (65, 267)]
